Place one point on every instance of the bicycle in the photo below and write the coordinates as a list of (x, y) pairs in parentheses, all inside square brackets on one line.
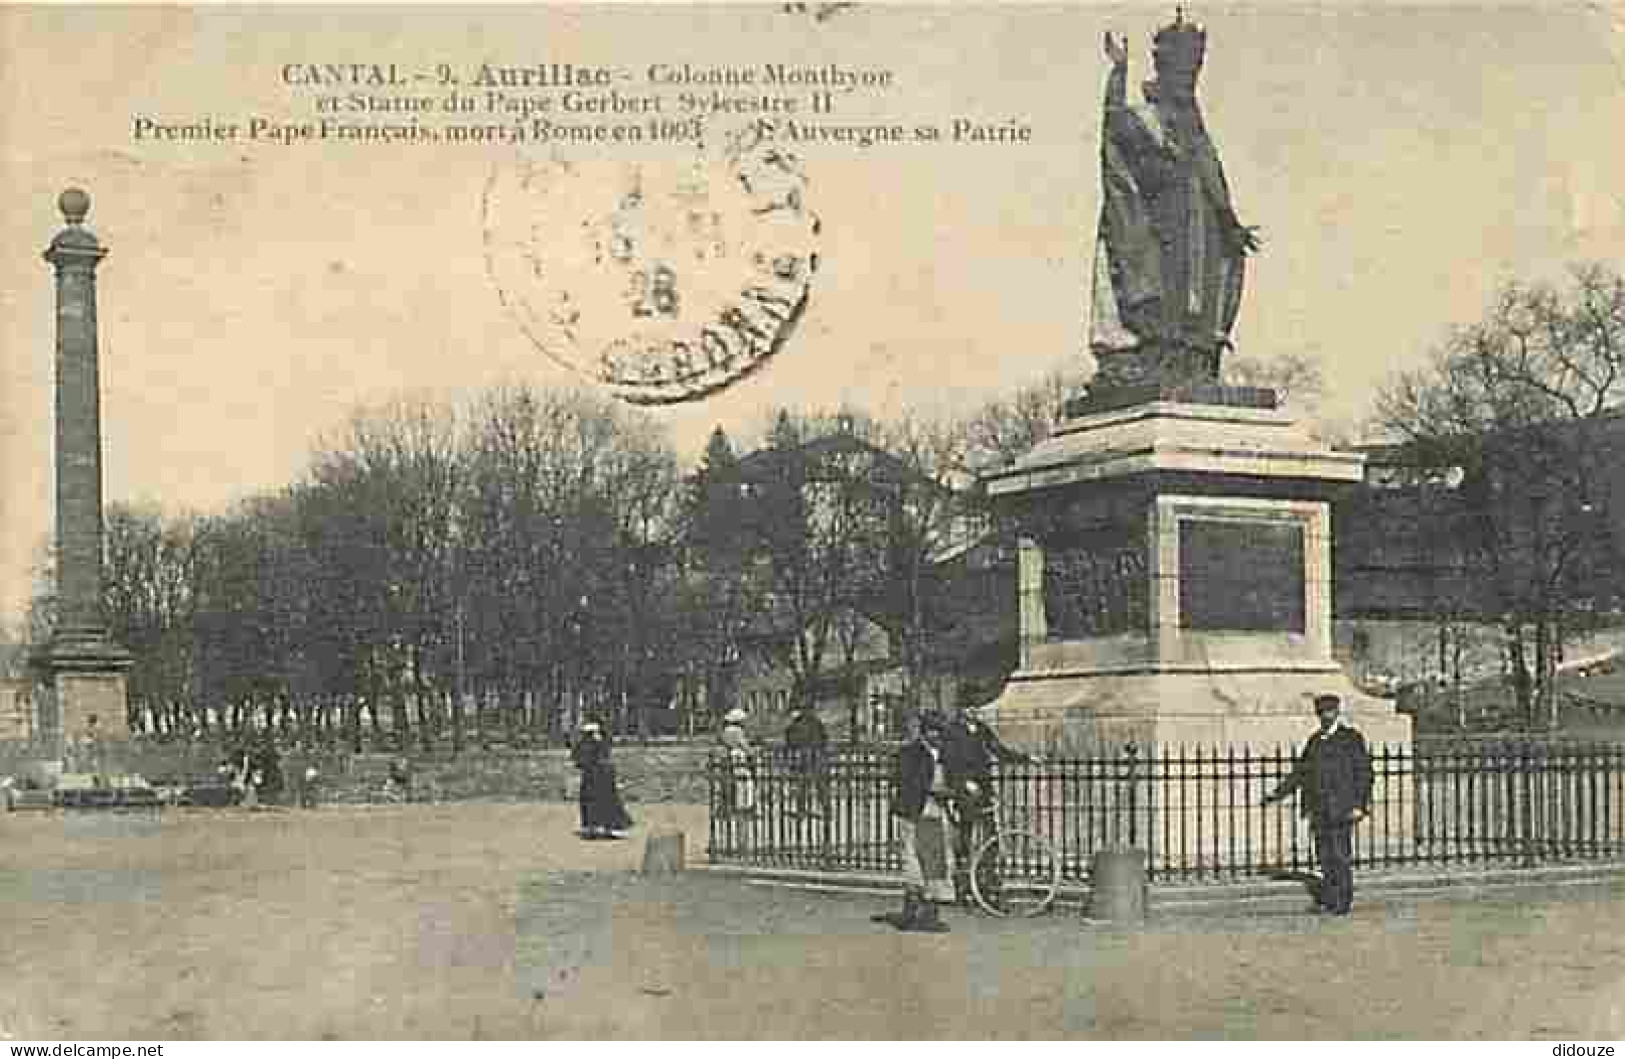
[(1013, 871)]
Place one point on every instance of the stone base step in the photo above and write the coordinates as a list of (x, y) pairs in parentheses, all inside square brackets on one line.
[(24, 799), (1247, 896)]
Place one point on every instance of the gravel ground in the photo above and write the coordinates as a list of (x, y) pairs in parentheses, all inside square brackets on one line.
[(494, 921)]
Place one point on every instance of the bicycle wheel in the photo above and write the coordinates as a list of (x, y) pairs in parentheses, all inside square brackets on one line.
[(1015, 873)]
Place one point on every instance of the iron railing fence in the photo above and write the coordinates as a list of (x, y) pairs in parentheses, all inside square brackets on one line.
[(1196, 811)]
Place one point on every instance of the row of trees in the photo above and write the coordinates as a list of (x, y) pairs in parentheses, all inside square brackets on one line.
[(496, 569), (437, 570)]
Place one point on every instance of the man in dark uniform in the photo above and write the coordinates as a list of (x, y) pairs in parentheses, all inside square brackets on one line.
[(1333, 774), (807, 741), (970, 750)]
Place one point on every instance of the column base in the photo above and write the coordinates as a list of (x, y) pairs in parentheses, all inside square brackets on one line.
[(88, 689)]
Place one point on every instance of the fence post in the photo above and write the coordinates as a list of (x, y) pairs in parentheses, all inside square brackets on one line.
[(712, 813), (1526, 765), (1131, 774)]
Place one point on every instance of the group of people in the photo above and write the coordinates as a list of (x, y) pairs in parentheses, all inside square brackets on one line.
[(806, 745), (944, 804), (257, 774), (254, 773), (944, 797), (945, 801), (604, 815)]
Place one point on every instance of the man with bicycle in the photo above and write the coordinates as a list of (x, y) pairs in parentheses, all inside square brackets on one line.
[(970, 750)]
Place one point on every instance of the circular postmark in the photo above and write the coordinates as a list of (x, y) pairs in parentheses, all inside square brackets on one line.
[(664, 280)]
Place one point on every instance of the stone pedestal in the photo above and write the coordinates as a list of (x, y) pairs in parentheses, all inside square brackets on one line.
[(91, 706), (1175, 566), (84, 705)]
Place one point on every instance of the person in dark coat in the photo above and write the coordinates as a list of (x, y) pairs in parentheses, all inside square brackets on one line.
[(918, 806), (400, 778), (267, 770), (807, 741), (602, 814), (971, 750), (1333, 776)]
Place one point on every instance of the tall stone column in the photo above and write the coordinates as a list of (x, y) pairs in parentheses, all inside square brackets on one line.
[(84, 668)]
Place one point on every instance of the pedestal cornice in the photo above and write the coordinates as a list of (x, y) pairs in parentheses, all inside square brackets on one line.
[(1166, 437)]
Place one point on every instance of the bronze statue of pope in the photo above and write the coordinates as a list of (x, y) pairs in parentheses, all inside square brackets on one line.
[(1170, 256)]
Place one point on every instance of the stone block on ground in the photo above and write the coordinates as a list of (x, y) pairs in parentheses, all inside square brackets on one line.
[(1119, 886), (663, 852)]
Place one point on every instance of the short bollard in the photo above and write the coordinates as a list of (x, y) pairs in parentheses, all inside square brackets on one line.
[(663, 852), (1119, 886)]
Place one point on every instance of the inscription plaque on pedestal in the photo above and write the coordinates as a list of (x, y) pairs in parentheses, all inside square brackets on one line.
[(1242, 576), (1097, 588)]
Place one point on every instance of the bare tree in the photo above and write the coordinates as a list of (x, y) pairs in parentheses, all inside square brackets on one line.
[(148, 600), (568, 509), (1300, 386), (385, 542), (934, 508), (1522, 405), (1006, 428), (1293, 376)]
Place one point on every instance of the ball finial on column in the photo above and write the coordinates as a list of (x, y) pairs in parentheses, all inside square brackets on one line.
[(74, 204)]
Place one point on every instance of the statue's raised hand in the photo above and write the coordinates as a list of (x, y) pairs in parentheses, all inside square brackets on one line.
[(1116, 49)]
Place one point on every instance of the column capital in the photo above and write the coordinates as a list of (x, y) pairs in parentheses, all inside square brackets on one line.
[(75, 246)]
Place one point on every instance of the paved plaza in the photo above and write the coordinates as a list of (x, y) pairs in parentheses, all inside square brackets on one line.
[(479, 920)]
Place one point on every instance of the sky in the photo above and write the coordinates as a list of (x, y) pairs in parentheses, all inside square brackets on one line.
[(1401, 162)]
